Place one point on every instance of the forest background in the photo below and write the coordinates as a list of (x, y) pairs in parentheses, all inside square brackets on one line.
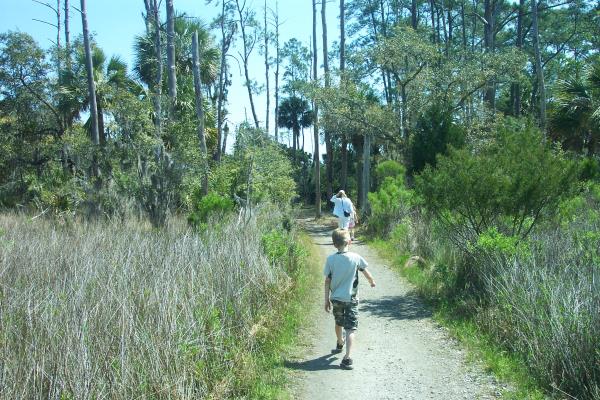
[(468, 133)]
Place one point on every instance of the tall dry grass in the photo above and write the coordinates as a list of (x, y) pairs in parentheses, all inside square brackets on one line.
[(113, 310), (546, 306), (542, 303)]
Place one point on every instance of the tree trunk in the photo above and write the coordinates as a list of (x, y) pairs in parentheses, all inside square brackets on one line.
[(516, 87), (488, 36), (267, 71), (366, 173), (344, 149), (200, 111), (316, 155), (89, 66), (414, 18), (277, 70), (464, 25), (246, 57), (67, 35), (58, 43), (328, 144), (159, 71), (344, 160), (225, 134), (432, 7), (539, 71), (172, 77), (224, 46), (101, 130)]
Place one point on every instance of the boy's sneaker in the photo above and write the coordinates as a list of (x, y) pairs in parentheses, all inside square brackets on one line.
[(346, 363), (338, 348)]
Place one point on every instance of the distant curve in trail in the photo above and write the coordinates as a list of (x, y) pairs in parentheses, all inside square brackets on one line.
[(401, 353)]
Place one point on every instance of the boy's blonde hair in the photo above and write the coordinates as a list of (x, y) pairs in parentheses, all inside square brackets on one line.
[(340, 237)]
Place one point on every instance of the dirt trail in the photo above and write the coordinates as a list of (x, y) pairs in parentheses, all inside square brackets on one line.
[(401, 352)]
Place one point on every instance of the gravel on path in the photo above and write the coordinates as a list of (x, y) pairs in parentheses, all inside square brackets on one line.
[(400, 352)]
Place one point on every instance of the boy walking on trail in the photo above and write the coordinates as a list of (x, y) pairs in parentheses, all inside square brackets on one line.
[(341, 291)]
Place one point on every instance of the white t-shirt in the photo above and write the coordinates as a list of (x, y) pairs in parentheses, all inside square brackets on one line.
[(342, 269), (341, 204)]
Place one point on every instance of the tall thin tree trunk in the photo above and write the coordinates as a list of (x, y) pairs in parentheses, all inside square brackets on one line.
[(366, 172), (316, 155), (344, 149), (432, 7), (488, 36), (246, 57), (267, 71), (277, 62), (200, 111), (414, 18), (172, 77), (89, 66), (58, 42), (67, 35), (538, 66), (328, 140), (218, 150), (517, 86), (225, 134), (464, 25), (159, 70)]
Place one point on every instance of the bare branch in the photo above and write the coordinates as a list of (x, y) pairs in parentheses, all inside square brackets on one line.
[(45, 22)]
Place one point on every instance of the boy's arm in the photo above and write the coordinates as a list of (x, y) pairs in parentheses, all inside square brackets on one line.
[(327, 291), (369, 277)]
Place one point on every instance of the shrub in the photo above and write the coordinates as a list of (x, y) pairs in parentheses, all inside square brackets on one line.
[(392, 202), (434, 132), (510, 184), (211, 205)]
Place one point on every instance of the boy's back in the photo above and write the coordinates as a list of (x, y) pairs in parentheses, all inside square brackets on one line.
[(342, 268), (341, 289)]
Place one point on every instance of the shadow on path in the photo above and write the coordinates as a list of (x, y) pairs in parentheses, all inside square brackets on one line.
[(317, 364), (407, 307)]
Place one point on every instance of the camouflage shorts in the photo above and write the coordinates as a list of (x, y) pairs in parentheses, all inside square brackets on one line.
[(346, 314)]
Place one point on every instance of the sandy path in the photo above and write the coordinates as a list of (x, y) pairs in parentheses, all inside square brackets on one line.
[(400, 353)]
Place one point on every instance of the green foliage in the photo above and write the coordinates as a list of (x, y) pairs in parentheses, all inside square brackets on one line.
[(510, 183), (211, 205), (434, 132), (575, 110), (389, 169), (392, 202), (264, 172), (494, 242)]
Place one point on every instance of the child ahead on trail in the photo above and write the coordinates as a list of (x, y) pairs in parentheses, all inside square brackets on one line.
[(341, 291), (343, 209)]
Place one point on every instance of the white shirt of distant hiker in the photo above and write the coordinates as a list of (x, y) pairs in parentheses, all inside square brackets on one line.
[(343, 269)]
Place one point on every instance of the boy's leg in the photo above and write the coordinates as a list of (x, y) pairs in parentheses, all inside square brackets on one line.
[(350, 337), (338, 334)]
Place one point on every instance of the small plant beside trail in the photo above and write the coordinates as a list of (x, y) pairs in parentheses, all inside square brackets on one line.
[(511, 240)]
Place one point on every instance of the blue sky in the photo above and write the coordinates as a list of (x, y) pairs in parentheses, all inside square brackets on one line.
[(116, 22)]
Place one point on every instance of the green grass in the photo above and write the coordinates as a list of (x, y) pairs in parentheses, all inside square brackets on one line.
[(508, 368), (271, 377)]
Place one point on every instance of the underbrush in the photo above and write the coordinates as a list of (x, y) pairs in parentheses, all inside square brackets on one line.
[(530, 309), (119, 310), (503, 239)]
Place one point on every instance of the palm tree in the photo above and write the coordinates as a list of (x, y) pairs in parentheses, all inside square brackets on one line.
[(109, 79), (145, 63), (294, 114), (575, 115)]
